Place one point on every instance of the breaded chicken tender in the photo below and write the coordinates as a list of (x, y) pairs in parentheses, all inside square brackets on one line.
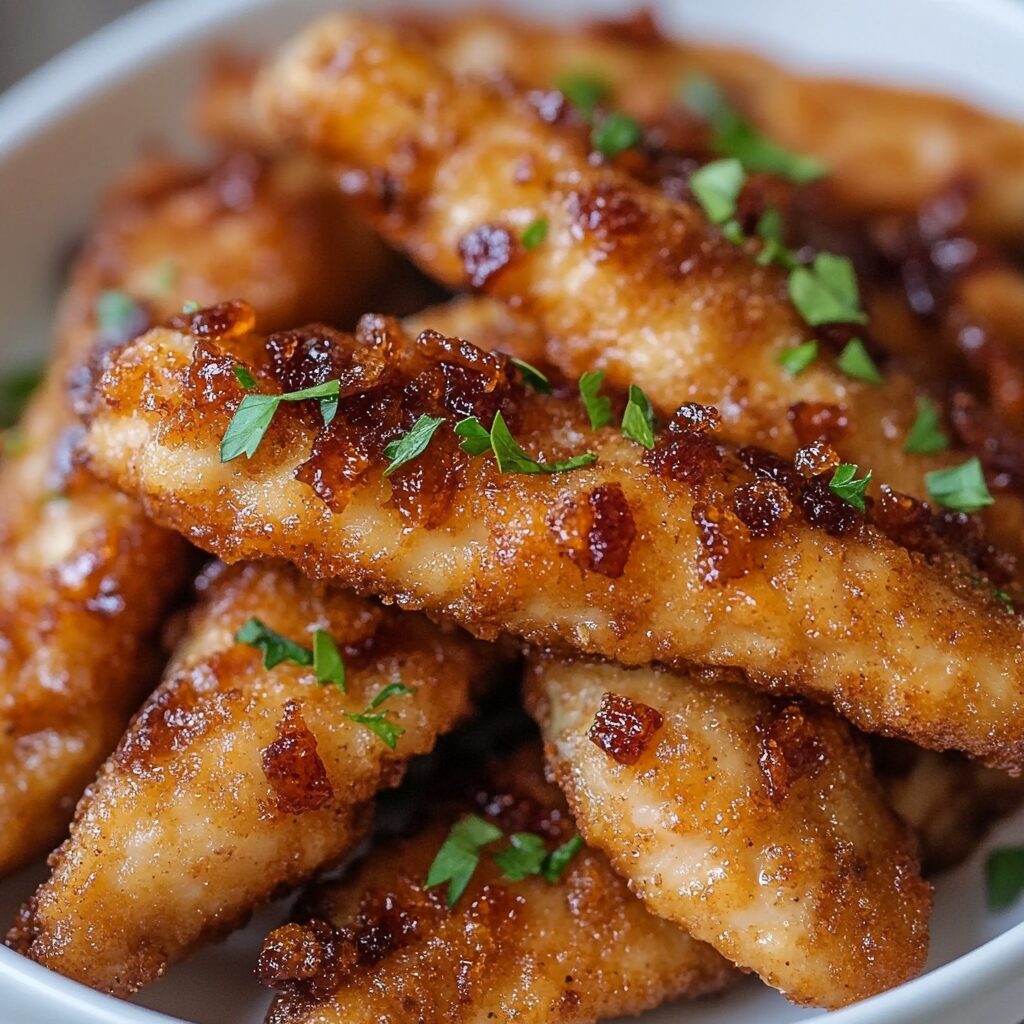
[(756, 824), (85, 578), (687, 552), (626, 280), (379, 945), (236, 782)]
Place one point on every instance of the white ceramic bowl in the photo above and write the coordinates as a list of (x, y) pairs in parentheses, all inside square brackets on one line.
[(66, 131)]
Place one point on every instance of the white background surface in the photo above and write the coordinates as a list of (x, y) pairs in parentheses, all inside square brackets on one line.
[(66, 132)]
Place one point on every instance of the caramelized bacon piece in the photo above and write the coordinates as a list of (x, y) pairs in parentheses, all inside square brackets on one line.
[(754, 823), (235, 782), (379, 946), (901, 642)]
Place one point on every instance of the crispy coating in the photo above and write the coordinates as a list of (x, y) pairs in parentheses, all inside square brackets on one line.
[(642, 556), (85, 578), (756, 824), (235, 782), (380, 946), (888, 149), (627, 279)]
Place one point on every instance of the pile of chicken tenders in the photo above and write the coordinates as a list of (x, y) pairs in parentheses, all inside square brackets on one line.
[(645, 419)]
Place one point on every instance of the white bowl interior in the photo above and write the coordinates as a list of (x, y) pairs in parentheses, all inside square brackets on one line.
[(67, 130)]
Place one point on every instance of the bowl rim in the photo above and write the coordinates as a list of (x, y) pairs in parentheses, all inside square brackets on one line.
[(56, 91)]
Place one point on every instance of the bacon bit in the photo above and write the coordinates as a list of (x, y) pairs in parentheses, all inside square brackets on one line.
[(725, 543), (823, 508), (818, 421), (485, 251), (623, 728), (769, 466), (293, 767), (762, 506), (685, 452), (306, 357), (596, 535), (222, 322), (608, 212), (814, 459), (790, 750)]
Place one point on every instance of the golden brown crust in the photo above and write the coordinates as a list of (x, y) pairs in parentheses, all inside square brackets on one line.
[(756, 824), (627, 279), (899, 643), (380, 946), (235, 782), (85, 578)]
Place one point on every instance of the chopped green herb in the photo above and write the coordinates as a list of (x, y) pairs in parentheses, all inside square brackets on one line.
[(855, 361), (960, 488), (377, 721), (615, 134), (164, 277), (524, 856), (926, 436), (1004, 876), (118, 316), (532, 376), (826, 292), (328, 664), (734, 136), (535, 233), (275, 647), (733, 231), (190, 306), (509, 455), (769, 230), (255, 413), (558, 860), (245, 377), (584, 90), (16, 388), (717, 186), (413, 444), (844, 484), (796, 359), (599, 408), (460, 854), (638, 419), (1004, 598)]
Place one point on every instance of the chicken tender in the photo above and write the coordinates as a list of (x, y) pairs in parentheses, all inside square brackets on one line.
[(687, 552), (85, 578), (379, 945), (236, 782), (626, 280), (756, 824)]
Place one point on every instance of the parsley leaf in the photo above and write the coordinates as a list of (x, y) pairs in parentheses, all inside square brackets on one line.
[(1004, 876), (844, 484), (925, 436), (377, 721), (558, 860), (16, 389), (524, 856), (599, 408), (638, 419), (532, 376), (164, 276), (826, 292), (327, 661), (413, 444), (119, 317), (960, 488), (256, 412), (508, 453), (775, 250), (460, 854), (717, 186), (244, 377), (615, 134), (855, 361), (584, 90), (190, 306), (535, 233), (734, 136), (797, 358), (275, 647)]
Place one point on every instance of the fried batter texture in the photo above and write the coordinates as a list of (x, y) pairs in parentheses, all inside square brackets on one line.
[(689, 552), (235, 782), (756, 824), (627, 280), (380, 946)]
